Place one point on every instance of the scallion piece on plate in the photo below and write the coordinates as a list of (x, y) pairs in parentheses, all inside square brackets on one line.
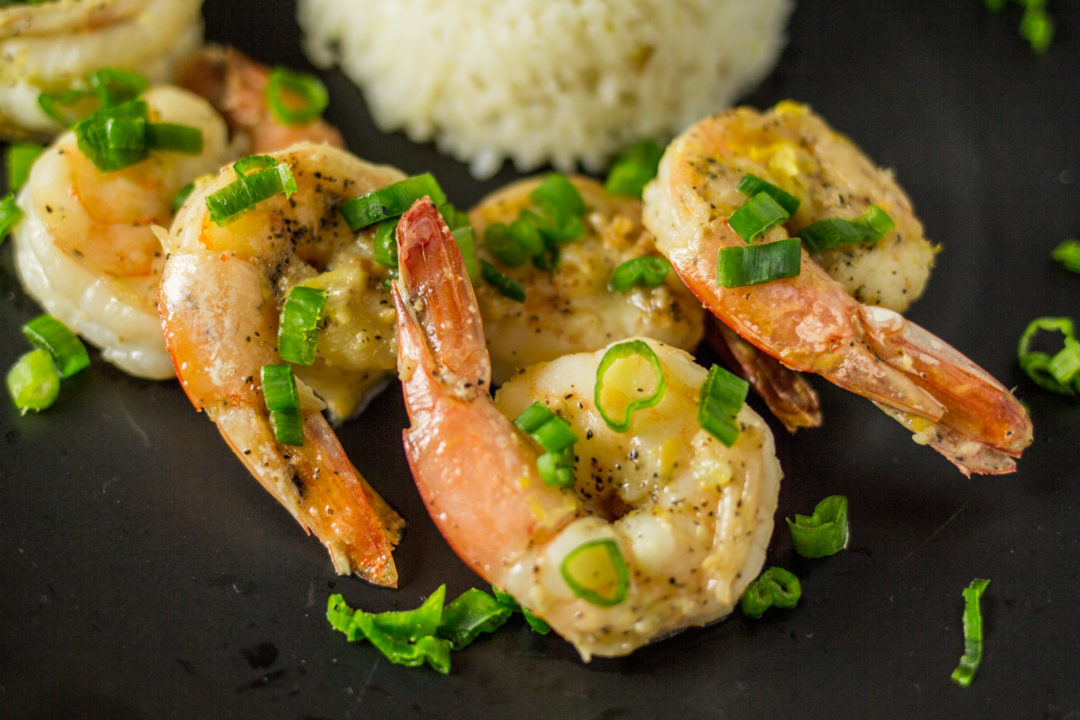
[(258, 177), (556, 196), (508, 287), (174, 138), (33, 382), (472, 613), (634, 168), (507, 600), (776, 587), (629, 378), (757, 216), (10, 214), (721, 397), (283, 402), (117, 85), (114, 136), (504, 246), (832, 232), (551, 432), (596, 572), (751, 185), (67, 350), (752, 264), (1068, 254), (295, 98), (390, 201), (68, 107), (824, 532), (973, 635), (647, 271), (298, 331), (1058, 371), (20, 159)]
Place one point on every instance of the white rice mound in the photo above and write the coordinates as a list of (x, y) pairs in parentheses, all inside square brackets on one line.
[(544, 81)]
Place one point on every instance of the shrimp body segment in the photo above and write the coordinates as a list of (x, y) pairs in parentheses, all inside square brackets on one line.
[(690, 518), (811, 322), (221, 295), (86, 249), (571, 307)]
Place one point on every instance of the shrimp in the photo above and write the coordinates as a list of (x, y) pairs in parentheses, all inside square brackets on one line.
[(571, 307), (221, 293), (235, 85), (811, 322), (51, 46), (690, 518), (86, 249)]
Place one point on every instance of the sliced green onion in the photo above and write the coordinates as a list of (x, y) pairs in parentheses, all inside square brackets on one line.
[(557, 196), (752, 264), (390, 201), (1058, 372), (502, 244), (116, 85), (404, 637), (506, 286), (67, 350), (384, 245), (751, 185), (114, 136), (596, 572), (20, 159), (721, 397), (1068, 254), (298, 331), (462, 230), (776, 587), (824, 532), (973, 635), (624, 351), (648, 271), (10, 215), (174, 138), (634, 168), (68, 107), (248, 190), (283, 402), (757, 216), (472, 613), (551, 432), (831, 232), (507, 600), (181, 196), (295, 98), (33, 382)]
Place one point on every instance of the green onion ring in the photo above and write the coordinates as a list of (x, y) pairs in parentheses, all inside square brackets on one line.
[(618, 352)]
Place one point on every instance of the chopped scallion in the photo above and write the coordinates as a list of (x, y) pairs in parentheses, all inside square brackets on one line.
[(116, 136), (1058, 372), (596, 572), (472, 613), (624, 386), (776, 587), (117, 85), (390, 201), (751, 185), (824, 532), (551, 432), (1068, 254), (68, 107), (181, 196), (462, 230), (556, 196), (507, 600), (634, 168), (20, 160), (384, 245), (752, 264), (502, 244), (757, 216), (831, 232), (295, 98), (283, 402), (269, 178), (174, 138), (506, 286), (10, 215), (721, 397), (65, 347), (298, 331), (647, 271), (973, 635), (33, 381)]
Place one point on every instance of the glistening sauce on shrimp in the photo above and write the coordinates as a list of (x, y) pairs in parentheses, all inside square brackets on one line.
[(690, 518)]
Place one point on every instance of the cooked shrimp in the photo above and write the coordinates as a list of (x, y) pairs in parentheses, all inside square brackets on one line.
[(85, 248), (51, 46), (812, 322), (571, 307), (236, 85), (690, 518), (221, 294)]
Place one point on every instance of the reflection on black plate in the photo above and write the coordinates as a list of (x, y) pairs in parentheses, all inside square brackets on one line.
[(145, 575)]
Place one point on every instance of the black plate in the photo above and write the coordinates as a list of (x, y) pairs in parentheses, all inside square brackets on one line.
[(145, 575)]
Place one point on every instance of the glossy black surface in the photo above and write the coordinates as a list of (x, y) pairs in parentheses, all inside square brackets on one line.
[(143, 574)]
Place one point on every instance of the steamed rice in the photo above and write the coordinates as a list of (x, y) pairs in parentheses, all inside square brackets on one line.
[(544, 81)]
